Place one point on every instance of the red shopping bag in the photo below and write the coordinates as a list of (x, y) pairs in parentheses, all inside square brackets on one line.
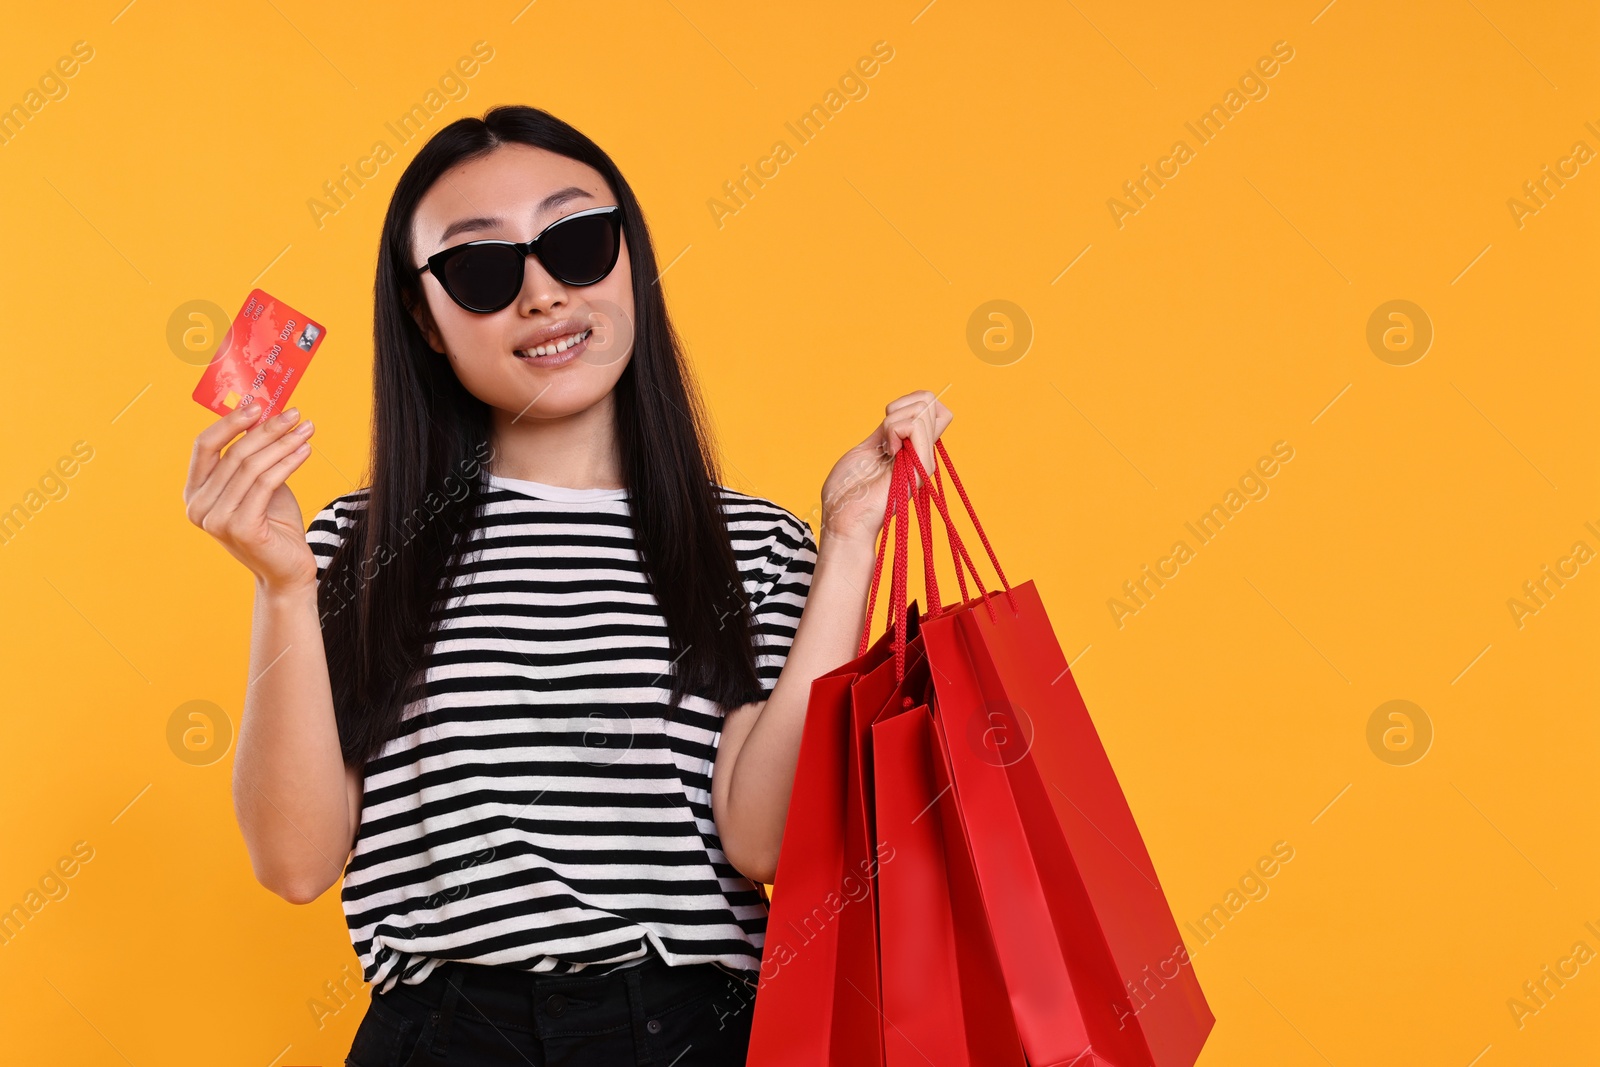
[(818, 998), (858, 1033), (800, 1017), (1090, 953), (943, 999)]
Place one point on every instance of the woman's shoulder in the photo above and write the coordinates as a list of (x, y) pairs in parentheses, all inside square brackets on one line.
[(769, 541), (754, 517), (339, 511), (329, 525)]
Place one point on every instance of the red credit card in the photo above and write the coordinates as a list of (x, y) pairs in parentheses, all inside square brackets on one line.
[(262, 357)]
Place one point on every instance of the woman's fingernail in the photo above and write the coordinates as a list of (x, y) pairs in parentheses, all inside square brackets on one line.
[(304, 427), (288, 416)]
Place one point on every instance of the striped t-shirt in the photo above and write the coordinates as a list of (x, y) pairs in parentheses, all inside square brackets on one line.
[(549, 817)]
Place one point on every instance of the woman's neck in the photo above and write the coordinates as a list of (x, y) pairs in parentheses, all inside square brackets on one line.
[(575, 451)]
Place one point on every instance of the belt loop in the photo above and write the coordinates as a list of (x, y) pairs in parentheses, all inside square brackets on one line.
[(447, 1008), (642, 1045)]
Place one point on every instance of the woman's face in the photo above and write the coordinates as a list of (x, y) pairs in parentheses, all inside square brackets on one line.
[(515, 192)]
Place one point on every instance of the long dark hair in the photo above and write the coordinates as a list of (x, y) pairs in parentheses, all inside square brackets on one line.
[(430, 439)]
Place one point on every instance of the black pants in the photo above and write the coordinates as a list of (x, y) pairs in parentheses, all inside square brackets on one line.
[(653, 1014)]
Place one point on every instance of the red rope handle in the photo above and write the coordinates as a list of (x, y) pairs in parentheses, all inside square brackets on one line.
[(902, 498), (877, 567), (956, 480), (955, 538), (961, 574), (897, 587), (958, 548), (925, 529)]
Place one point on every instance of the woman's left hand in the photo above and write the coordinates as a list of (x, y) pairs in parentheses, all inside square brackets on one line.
[(855, 496)]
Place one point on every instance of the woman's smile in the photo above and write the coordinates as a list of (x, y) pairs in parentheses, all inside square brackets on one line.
[(559, 353)]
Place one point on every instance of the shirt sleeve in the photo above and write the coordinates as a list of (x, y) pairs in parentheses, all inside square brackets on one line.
[(780, 596), (327, 531)]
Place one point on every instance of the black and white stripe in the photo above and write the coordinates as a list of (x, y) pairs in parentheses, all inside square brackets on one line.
[(544, 814)]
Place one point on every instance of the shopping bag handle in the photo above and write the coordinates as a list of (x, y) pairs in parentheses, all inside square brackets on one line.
[(896, 494), (961, 572), (897, 515), (930, 578), (957, 545), (955, 479)]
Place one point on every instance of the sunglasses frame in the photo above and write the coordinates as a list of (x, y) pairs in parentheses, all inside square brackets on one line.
[(437, 262)]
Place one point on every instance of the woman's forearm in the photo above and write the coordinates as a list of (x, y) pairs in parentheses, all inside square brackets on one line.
[(289, 777), (828, 636)]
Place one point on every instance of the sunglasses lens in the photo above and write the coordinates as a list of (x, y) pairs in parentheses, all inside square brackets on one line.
[(580, 251), (485, 277)]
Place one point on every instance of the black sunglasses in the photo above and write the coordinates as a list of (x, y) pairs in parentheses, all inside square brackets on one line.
[(485, 276)]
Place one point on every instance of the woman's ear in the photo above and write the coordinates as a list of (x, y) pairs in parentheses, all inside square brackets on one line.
[(424, 320)]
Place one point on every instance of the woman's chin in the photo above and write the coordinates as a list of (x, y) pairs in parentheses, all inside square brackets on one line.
[(546, 397)]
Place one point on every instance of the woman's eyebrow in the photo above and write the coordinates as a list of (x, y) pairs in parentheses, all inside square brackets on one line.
[(549, 203)]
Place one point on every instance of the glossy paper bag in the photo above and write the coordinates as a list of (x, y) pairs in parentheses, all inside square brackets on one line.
[(1076, 913), (944, 1000), (817, 1001)]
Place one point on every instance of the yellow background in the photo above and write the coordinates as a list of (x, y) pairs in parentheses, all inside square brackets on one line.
[(1229, 313)]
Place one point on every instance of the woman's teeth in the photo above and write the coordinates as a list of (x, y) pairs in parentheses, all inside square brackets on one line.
[(554, 349)]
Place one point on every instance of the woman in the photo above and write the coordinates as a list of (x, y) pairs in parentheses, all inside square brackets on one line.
[(537, 690)]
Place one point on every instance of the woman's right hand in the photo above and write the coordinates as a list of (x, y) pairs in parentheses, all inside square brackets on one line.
[(240, 496)]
